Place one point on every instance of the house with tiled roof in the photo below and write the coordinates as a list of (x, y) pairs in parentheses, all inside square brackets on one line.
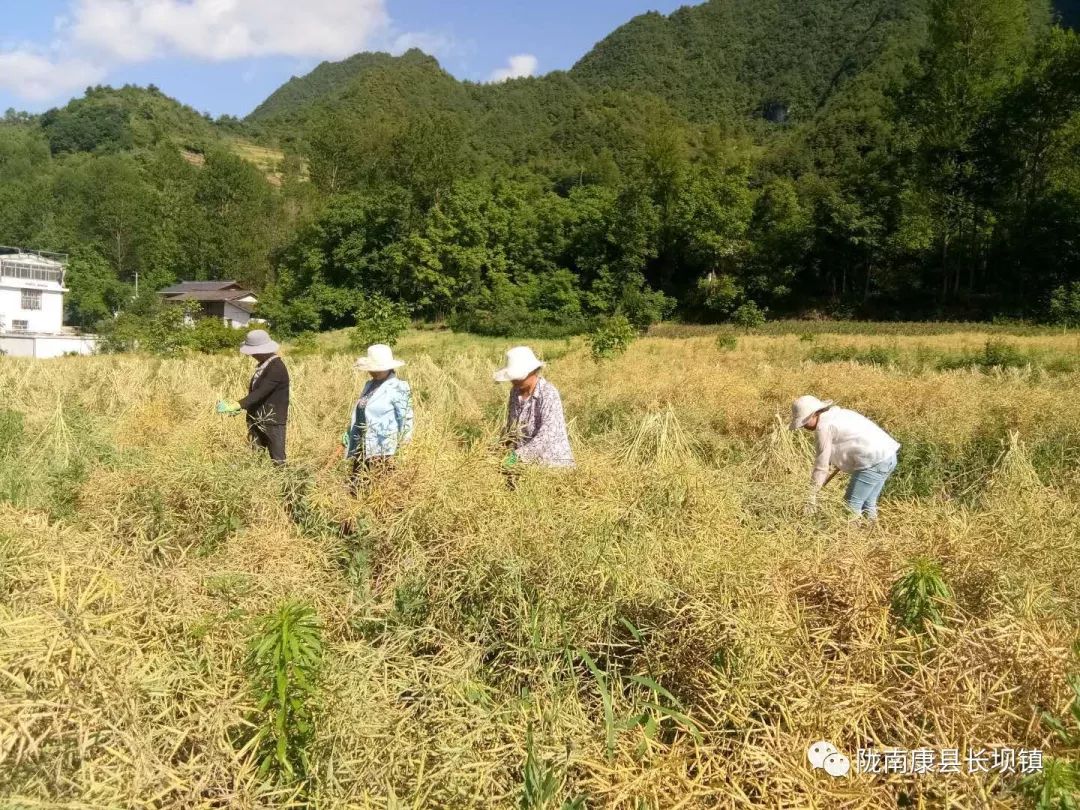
[(227, 300)]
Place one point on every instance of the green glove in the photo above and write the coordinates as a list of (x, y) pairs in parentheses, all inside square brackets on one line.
[(230, 408), (511, 459), (344, 439)]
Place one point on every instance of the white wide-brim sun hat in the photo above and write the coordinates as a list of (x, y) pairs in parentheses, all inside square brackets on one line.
[(520, 363), (258, 342), (380, 357), (805, 407)]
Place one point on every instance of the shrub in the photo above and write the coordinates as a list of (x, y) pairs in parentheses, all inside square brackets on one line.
[(643, 307), (996, 354), (1001, 354), (211, 335), (1065, 305), (748, 315), (727, 341), (517, 323), (719, 295), (378, 320), (873, 356), (612, 338)]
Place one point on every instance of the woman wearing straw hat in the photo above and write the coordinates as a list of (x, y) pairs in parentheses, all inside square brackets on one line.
[(382, 419), (851, 443), (535, 426), (267, 402)]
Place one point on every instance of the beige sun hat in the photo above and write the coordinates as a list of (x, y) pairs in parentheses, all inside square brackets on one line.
[(520, 363), (258, 342), (380, 357), (805, 407)]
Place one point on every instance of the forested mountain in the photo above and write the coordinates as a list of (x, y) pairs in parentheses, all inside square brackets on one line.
[(108, 120), (887, 158), (729, 58), (292, 102)]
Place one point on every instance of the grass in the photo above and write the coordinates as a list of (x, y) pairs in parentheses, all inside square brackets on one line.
[(660, 626)]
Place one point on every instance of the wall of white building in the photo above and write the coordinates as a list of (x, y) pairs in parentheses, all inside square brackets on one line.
[(44, 347), (235, 317), (48, 320)]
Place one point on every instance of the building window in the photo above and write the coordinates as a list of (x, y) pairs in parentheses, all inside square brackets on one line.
[(31, 272), (20, 326), (31, 299)]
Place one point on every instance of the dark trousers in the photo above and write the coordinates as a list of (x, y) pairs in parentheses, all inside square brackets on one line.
[(269, 437)]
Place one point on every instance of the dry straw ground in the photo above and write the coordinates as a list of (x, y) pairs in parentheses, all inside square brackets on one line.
[(140, 542)]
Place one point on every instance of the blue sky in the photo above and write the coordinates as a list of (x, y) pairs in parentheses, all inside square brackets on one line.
[(225, 56)]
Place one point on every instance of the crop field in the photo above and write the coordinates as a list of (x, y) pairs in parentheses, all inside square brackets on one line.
[(183, 625)]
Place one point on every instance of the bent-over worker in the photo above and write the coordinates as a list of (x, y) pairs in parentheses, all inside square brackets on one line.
[(848, 442)]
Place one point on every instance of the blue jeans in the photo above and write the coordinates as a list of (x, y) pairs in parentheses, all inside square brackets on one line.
[(866, 485)]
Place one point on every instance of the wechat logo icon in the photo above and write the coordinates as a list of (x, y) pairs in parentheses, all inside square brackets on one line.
[(824, 755)]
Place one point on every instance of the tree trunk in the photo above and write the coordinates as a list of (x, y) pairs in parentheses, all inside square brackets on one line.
[(944, 267)]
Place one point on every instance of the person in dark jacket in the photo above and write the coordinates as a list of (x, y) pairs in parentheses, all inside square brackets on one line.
[(267, 402)]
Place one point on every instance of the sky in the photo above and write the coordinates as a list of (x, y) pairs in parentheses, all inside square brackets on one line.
[(226, 56)]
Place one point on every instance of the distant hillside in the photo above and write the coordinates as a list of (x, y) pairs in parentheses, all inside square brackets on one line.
[(738, 57), (109, 120), (328, 83), (711, 61)]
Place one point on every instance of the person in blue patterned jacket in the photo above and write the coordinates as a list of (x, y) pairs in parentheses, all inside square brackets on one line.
[(382, 418)]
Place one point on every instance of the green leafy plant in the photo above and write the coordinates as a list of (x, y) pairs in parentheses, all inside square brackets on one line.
[(543, 781), (918, 597), (1058, 785), (727, 341), (660, 708), (996, 354), (872, 356), (612, 338), (283, 663), (719, 295), (11, 432), (748, 315), (378, 320), (1065, 305)]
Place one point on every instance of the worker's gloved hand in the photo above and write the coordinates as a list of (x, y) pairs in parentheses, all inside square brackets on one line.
[(511, 460), (231, 408), (344, 439)]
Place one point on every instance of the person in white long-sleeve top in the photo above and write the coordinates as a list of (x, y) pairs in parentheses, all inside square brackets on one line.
[(846, 442)]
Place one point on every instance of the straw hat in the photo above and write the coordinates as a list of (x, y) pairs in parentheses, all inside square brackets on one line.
[(520, 363), (258, 342), (380, 357), (805, 407)]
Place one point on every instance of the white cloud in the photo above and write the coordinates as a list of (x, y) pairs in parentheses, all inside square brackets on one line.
[(138, 30), (36, 77), (94, 36), (517, 67)]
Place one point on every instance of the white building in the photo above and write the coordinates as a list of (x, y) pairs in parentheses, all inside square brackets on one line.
[(32, 306), (226, 300)]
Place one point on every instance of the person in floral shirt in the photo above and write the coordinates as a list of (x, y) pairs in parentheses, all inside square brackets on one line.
[(535, 426)]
